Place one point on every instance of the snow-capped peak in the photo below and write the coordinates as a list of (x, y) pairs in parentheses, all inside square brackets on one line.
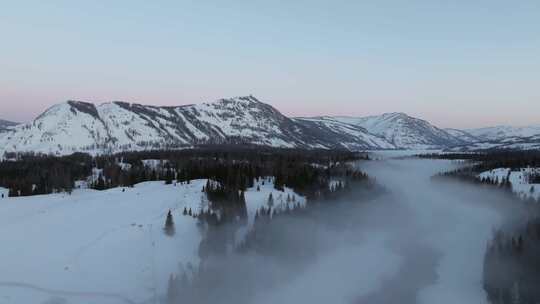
[(403, 131), (78, 126)]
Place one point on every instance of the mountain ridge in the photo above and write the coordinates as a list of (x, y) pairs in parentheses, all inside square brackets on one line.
[(402, 130), (79, 126)]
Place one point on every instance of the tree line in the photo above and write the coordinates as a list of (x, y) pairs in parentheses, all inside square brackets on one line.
[(512, 266), (31, 174)]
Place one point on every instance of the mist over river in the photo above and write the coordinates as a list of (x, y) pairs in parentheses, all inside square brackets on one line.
[(420, 241)]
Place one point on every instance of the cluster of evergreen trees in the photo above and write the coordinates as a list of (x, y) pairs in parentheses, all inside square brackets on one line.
[(229, 201), (470, 174), (489, 160), (234, 167), (512, 266), (269, 233), (534, 178), (514, 160), (34, 174)]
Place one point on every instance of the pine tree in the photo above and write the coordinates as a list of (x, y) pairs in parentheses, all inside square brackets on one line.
[(100, 183), (270, 200), (172, 289), (168, 177), (516, 298), (169, 225), (13, 192), (185, 211), (242, 197)]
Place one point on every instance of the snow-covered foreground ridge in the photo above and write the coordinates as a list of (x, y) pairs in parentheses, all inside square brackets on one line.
[(105, 246)]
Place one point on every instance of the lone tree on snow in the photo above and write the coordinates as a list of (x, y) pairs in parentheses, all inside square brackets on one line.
[(169, 225)]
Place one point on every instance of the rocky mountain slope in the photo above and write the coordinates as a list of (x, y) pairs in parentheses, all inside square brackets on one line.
[(76, 126)]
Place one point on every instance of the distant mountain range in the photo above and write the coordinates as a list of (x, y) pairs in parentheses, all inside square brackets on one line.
[(401, 130), (4, 125), (76, 126)]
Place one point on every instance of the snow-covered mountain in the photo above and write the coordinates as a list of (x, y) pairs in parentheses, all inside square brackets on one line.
[(463, 135), (504, 132), (76, 126), (508, 143), (4, 124), (353, 137), (403, 131), (500, 137)]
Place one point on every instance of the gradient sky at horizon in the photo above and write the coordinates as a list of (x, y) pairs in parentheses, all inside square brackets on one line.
[(457, 64)]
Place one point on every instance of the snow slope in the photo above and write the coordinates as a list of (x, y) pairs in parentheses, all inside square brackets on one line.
[(4, 192), (104, 246), (463, 135), (349, 133), (519, 180)]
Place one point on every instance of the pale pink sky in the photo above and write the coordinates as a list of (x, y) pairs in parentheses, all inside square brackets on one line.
[(455, 63)]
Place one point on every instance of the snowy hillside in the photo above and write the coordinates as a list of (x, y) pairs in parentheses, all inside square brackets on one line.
[(521, 185), (76, 126), (463, 135), (403, 131), (105, 246), (348, 134)]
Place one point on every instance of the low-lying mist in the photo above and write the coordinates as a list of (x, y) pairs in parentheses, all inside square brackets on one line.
[(419, 241)]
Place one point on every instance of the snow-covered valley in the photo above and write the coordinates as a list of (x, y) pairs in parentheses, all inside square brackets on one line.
[(109, 246)]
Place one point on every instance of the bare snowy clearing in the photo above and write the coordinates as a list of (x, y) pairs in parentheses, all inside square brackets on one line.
[(104, 246)]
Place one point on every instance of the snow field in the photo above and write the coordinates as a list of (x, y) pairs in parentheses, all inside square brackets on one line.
[(104, 246)]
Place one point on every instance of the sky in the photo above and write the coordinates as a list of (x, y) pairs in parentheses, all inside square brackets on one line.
[(459, 64)]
